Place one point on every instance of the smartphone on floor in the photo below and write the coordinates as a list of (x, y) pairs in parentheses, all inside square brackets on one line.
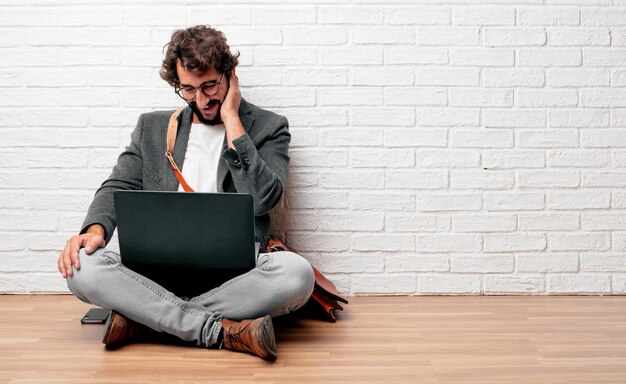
[(96, 316)]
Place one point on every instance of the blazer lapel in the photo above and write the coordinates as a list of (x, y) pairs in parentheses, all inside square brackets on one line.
[(247, 120)]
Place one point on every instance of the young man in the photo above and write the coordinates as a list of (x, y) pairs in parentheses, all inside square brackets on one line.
[(224, 144)]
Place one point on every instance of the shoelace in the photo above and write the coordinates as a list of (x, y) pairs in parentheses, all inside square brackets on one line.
[(233, 338)]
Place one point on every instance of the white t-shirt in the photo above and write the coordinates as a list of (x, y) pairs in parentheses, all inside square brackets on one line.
[(203, 153)]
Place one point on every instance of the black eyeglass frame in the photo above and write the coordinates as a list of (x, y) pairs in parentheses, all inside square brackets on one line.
[(179, 90)]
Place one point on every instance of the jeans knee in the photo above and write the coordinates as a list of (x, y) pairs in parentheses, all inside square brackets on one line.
[(84, 281), (298, 277)]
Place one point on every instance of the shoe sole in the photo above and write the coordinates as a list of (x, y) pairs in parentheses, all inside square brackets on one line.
[(107, 328), (268, 339)]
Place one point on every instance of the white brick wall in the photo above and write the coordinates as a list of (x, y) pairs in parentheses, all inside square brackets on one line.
[(457, 147)]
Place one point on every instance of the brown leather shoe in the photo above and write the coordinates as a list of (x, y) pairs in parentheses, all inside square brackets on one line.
[(119, 330), (252, 336)]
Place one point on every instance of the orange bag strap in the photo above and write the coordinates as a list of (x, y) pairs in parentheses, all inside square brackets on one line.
[(172, 129)]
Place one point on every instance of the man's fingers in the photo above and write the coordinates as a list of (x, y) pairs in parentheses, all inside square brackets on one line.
[(93, 243), (67, 258), (61, 264), (235, 78), (76, 243)]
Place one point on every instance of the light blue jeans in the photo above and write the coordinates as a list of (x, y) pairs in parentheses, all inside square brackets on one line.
[(280, 283)]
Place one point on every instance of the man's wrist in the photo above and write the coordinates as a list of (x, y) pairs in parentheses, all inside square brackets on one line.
[(230, 119), (96, 229), (234, 129)]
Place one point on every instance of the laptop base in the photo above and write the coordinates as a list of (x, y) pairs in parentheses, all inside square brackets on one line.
[(188, 283)]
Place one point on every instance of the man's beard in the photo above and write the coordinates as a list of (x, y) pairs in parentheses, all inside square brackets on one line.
[(218, 118)]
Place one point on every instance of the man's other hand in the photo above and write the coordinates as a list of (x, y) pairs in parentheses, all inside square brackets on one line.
[(91, 240), (230, 107)]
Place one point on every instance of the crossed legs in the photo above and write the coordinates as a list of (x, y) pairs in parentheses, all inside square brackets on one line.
[(280, 283)]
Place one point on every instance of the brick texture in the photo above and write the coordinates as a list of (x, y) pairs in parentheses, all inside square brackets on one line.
[(438, 147)]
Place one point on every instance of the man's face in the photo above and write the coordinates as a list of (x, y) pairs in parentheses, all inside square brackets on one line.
[(206, 108)]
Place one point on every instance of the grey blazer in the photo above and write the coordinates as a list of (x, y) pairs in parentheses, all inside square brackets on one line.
[(258, 166)]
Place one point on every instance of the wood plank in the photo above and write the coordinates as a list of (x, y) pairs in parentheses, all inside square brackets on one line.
[(425, 339)]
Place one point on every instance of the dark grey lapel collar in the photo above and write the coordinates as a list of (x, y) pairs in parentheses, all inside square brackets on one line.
[(247, 120), (180, 148)]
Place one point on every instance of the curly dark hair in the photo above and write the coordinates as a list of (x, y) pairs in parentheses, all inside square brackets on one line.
[(198, 48)]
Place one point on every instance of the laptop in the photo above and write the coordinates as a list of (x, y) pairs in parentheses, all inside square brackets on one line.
[(187, 242)]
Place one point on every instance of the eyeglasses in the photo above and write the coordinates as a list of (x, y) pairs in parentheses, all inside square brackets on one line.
[(209, 88)]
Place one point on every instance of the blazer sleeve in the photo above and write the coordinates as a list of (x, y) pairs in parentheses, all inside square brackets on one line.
[(261, 170), (126, 174)]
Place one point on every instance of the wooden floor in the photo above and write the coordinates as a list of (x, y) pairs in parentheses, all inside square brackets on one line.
[(471, 339)]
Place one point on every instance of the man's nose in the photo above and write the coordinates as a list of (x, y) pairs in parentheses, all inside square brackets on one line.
[(201, 98)]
